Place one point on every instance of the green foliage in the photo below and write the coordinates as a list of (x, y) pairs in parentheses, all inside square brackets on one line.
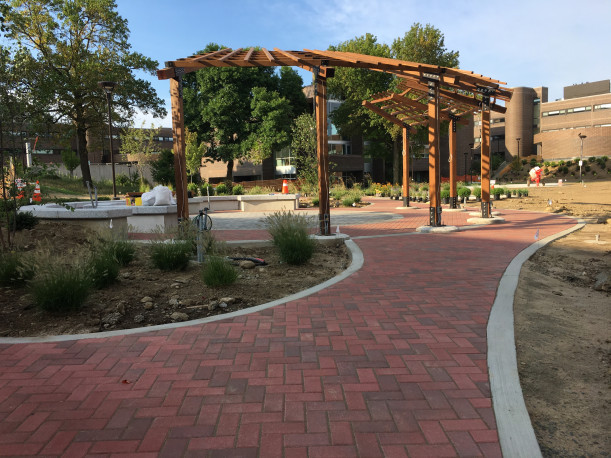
[(194, 152), (303, 147), (259, 190), (315, 201), (477, 192), (103, 267), (162, 169), (464, 192), (206, 188), (445, 193), (22, 220), (71, 45), (524, 161), (15, 268), (289, 232), (221, 189), (237, 190), (121, 249), (242, 112), (138, 145), (218, 272), (171, 255), (591, 159), (426, 45), (71, 160), (516, 165), (533, 162), (193, 188), (60, 287), (126, 181)]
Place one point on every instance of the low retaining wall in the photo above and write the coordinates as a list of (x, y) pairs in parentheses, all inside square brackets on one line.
[(116, 215)]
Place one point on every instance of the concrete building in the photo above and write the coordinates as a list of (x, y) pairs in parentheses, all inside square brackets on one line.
[(533, 125)]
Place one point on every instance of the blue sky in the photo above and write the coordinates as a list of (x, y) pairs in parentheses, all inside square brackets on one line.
[(553, 43)]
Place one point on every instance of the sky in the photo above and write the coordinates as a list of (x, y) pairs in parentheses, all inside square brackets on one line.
[(551, 43)]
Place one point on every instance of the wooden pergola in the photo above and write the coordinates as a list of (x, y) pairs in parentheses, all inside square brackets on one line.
[(410, 108), (437, 82)]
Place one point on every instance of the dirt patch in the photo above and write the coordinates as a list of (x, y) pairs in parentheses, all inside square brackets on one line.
[(145, 296), (590, 200), (562, 321)]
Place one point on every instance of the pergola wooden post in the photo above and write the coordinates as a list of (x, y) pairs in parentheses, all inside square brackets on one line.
[(452, 147), (485, 148), (405, 187), (434, 162), (178, 129), (322, 152)]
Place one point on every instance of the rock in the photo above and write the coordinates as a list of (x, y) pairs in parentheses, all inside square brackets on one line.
[(175, 285), (227, 300), (181, 280), (139, 318), (121, 307), (212, 306), (174, 301), (146, 299), (179, 316), (223, 305), (126, 275), (247, 264), (187, 302), (148, 305), (602, 282), (557, 293), (111, 319)]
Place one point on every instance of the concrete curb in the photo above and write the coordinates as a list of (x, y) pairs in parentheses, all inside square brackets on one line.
[(355, 265), (516, 434)]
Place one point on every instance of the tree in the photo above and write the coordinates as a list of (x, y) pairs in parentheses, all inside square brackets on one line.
[(303, 148), (194, 152), (139, 146), (425, 45), (75, 44), (163, 168), (240, 112), (70, 160)]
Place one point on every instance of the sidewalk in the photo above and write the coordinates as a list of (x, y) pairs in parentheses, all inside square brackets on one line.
[(388, 362)]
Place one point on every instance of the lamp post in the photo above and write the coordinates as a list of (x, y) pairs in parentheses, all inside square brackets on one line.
[(518, 139), (581, 137), (108, 87), (470, 168)]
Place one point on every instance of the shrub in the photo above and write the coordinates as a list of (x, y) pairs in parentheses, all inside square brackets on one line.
[(315, 201), (568, 163), (221, 189), (61, 288), (206, 188), (173, 255), (533, 162), (546, 163), (218, 272), (237, 190), (524, 161), (193, 188), (289, 232), (604, 158), (123, 251), (103, 268), (477, 192), (591, 159), (444, 193), (22, 220), (464, 192), (587, 168), (260, 190), (162, 169), (561, 163), (524, 191), (554, 164), (565, 170), (15, 269), (338, 192)]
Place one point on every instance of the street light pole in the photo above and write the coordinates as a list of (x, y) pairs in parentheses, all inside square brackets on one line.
[(518, 139), (581, 137), (470, 168), (108, 87)]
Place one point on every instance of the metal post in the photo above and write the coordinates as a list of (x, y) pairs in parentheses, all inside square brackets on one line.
[(581, 137), (518, 139)]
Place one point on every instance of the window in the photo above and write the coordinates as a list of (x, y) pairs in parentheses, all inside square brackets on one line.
[(579, 109), (477, 140), (602, 106), (554, 113), (497, 120)]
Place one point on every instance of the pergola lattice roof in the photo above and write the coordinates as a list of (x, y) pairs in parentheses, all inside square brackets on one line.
[(312, 59)]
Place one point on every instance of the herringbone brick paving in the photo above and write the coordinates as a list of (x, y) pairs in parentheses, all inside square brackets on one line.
[(389, 362)]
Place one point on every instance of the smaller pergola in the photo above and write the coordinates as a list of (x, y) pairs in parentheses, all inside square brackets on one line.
[(410, 108), (439, 83)]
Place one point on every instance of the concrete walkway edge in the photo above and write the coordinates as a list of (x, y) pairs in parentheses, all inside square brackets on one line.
[(515, 430), (355, 265)]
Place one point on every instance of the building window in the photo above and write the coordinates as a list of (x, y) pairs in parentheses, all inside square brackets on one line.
[(554, 113), (579, 109), (497, 120), (477, 140), (602, 106), (340, 147)]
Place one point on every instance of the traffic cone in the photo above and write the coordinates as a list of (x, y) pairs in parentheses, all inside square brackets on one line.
[(285, 187), (37, 197)]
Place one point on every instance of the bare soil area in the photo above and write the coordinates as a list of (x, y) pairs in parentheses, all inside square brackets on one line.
[(145, 296), (563, 321)]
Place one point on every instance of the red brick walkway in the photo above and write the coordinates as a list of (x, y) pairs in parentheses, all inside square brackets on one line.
[(389, 362)]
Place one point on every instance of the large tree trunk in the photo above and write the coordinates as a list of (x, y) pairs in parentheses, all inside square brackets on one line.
[(81, 150), (229, 176), (396, 161)]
